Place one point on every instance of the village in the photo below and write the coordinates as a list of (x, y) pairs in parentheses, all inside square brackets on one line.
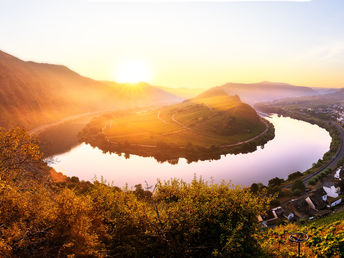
[(317, 203), (333, 111)]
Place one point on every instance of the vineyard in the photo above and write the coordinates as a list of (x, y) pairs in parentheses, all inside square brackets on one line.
[(326, 238)]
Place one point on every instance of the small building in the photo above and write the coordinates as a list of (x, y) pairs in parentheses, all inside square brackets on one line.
[(299, 207), (331, 190), (288, 214), (341, 173), (337, 174), (269, 219), (332, 202), (320, 192), (316, 202), (278, 212), (272, 217)]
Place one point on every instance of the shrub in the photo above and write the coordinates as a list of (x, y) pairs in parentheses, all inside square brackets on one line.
[(313, 181), (294, 175), (298, 186), (275, 181)]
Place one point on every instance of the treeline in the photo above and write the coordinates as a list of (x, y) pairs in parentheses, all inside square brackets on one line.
[(275, 187), (42, 218)]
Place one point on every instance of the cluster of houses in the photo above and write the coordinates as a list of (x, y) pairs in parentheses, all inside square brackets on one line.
[(336, 111), (316, 203)]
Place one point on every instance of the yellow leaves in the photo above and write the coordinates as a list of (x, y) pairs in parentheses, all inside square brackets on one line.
[(18, 152), (325, 240)]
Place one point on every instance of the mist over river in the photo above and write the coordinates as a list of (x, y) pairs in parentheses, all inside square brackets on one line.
[(296, 146)]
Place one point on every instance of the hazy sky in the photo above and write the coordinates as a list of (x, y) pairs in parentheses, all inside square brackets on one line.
[(186, 44)]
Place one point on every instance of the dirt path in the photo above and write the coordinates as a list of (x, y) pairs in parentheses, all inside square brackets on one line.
[(229, 145), (67, 119), (162, 120), (251, 139), (179, 123)]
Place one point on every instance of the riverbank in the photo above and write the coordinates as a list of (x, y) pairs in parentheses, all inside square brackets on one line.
[(330, 158), (170, 152), (312, 178), (292, 149)]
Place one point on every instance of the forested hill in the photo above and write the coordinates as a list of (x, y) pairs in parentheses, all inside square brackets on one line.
[(35, 93)]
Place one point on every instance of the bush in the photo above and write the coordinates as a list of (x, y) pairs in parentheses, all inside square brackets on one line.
[(285, 193), (297, 192), (275, 181), (294, 175), (298, 186), (254, 188), (312, 181)]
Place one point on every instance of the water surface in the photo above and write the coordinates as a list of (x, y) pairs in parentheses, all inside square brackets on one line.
[(296, 146)]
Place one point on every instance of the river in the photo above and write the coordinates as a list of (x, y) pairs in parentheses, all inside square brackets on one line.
[(296, 146)]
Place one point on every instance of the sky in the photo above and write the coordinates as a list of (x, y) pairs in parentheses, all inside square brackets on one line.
[(183, 44)]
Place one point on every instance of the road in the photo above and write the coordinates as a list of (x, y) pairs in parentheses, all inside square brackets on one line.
[(228, 145), (251, 139), (67, 119), (183, 128), (179, 123), (162, 120)]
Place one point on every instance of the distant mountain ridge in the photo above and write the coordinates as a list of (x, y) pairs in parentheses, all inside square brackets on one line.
[(213, 92), (35, 93), (266, 91), (185, 93)]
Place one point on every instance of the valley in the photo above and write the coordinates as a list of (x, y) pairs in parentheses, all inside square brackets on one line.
[(171, 128)]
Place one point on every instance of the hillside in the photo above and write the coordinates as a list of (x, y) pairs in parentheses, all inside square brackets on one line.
[(211, 121), (46, 214), (325, 238), (266, 91), (34, 93)]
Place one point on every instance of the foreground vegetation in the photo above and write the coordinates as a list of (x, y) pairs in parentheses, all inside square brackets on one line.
[(44, 217), (326, 238), (40, 217)]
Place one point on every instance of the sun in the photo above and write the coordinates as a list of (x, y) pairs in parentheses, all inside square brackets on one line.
[(133, 71)]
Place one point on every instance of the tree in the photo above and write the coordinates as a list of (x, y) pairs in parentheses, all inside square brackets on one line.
[(275, 181), (294, 175), (298, 187), (254, 188), (19, 153), (198, 219)]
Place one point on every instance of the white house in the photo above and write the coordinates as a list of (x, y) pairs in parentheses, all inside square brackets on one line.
[(337, 174), (331, 190)]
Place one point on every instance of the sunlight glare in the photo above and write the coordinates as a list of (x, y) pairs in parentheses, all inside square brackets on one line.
[(132, 71)]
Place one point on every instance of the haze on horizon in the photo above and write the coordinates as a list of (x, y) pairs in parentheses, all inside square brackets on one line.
[(183, 44)]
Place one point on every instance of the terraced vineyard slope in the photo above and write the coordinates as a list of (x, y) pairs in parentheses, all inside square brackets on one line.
[(213, 122)]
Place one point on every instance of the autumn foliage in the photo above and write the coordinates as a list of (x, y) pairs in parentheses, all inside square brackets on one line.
[(39, 217)]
